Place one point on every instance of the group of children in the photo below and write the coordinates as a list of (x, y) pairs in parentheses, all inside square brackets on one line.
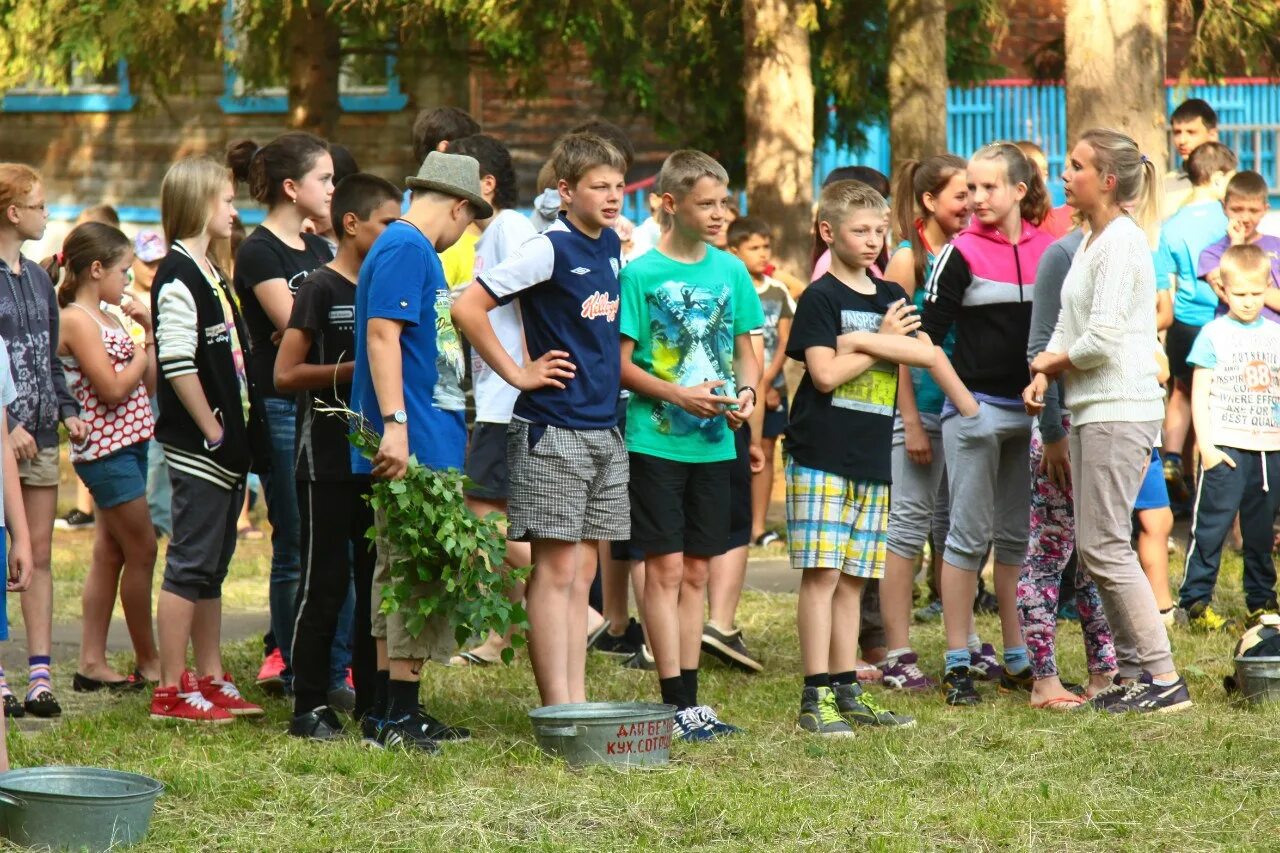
[(626, 410)]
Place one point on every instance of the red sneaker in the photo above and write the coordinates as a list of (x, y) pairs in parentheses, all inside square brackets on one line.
[(351, 682), (271, 675), (224, 695), (186, 703)]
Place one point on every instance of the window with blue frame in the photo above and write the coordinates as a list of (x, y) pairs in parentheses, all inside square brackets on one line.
[(85, 92), (367, 80)]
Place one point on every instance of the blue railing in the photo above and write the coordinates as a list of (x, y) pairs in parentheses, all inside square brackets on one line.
[(1248, 117)]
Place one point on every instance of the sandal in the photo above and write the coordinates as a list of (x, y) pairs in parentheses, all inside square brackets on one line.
[(470, 659), (1059, 703)]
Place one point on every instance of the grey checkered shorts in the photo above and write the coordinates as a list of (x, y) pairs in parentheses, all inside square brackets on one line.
[(571, 485)]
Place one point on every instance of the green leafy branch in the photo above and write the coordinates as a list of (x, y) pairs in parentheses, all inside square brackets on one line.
[(450, 562)]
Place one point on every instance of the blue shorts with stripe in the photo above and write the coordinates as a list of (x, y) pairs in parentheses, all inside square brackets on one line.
[(836, 523)]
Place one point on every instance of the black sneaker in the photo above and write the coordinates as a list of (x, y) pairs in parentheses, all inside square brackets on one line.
[(959, 686), (1105, 698), (317, 724), (443, 732), (860, 707), (1144, 696), (1023, 680), (74, 520), (410, 732), (642, 659), (625, 644), (728, 648), (369, 726)]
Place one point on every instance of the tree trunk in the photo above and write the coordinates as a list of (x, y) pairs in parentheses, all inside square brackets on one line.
[(917, 80), (1115, 71), (314, 59), (779, 125)]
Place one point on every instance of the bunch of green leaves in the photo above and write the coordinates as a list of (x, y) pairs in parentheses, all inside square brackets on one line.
[(451, 560)]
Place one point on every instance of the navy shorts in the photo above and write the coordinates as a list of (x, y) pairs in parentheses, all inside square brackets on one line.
[(775, 420), (1154, 494), (487, 462), (116, 478)]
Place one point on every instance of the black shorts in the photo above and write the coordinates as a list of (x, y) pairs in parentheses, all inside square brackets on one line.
[(679, 507), (624, 550), (775, 420), (1177, 343), (740, 491), (487, 462)]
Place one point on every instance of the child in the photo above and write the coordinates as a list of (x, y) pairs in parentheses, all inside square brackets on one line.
[(293, 176), (29, 327), (317, 359), (983, 285), (1057, 220), (406, 386), (933, 207), (1237, 360), (1183, 237), (1193, 123), (111, 377), (849, 328), (149, 249), (567, 465), (433, 130), (13, 523), (486, 463), (1245, 203), (688, 313), (750, 241), (208, 420)]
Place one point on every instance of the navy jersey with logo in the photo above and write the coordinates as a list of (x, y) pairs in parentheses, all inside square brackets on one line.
[(567, 284)]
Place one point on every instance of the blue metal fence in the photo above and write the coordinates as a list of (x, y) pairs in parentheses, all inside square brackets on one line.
[(1248, 117)]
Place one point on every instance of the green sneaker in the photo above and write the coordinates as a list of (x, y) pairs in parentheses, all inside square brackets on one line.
[(818, 713), (861, 708), (1202, 617)]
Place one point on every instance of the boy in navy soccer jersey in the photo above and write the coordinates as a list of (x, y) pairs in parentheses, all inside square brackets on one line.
[(568, 464)]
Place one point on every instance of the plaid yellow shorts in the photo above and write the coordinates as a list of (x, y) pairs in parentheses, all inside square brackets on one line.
[(836, 523)]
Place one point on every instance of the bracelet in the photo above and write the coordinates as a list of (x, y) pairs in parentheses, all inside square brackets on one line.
[(753, 393), (148, 342), (214, 445)]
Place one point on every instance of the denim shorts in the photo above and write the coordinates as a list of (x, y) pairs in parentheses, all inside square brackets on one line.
[(116, 478)]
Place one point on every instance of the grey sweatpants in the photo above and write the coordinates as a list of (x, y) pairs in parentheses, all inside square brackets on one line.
[(918, 502), (990, 485), (1108, 462)]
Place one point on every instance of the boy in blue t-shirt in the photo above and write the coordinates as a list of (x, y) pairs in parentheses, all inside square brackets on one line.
[(1185, 302), (688, 311), (851, 331), (407, 386), (1237, 419), (566, 460)]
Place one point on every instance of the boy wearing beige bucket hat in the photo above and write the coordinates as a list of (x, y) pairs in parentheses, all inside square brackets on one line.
[(407, 386)]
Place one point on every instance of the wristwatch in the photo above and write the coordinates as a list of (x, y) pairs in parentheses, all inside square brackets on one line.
[(398, 416)]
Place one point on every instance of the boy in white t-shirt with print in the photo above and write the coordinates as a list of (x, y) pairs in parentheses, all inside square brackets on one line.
[(1235, 405)]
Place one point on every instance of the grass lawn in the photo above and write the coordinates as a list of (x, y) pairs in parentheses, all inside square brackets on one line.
[(997, 776)]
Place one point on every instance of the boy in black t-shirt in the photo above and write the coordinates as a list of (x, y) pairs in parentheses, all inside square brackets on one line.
[(851, 331), (317, 359)]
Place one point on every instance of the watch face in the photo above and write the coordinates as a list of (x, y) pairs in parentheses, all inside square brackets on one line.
[(400, 416)]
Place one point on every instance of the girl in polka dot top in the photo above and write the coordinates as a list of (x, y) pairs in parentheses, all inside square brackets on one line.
[(110, 375)]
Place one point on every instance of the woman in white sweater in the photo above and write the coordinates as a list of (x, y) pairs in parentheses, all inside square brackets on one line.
[(1103, 346)]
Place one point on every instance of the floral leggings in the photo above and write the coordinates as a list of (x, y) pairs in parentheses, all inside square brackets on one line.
[(1049, 547)]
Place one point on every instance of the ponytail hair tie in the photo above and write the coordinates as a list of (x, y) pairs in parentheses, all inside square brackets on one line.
[(60, 258), (1144, 159)]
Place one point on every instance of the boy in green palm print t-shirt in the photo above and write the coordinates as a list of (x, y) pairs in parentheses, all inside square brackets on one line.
[(688, 313)]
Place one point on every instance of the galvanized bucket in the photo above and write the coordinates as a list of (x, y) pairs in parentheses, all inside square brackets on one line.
[(626, 734), (76, 808), (1258, 679)]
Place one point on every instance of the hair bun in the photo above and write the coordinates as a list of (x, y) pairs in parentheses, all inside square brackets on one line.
[(240, 156)]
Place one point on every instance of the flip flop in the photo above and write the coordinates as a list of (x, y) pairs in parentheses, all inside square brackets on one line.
[(597, 633), (470, 659), (1059, 703)]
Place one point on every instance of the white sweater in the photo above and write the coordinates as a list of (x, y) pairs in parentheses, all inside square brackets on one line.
[(1107, 327)]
